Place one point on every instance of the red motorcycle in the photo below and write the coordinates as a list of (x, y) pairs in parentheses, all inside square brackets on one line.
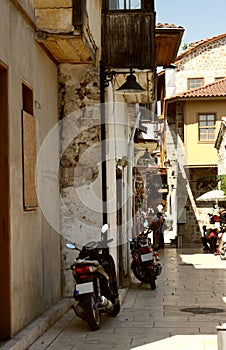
[(145, 261)]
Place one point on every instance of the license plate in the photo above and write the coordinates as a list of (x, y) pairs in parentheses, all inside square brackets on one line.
[(146, 257), (84, 288)]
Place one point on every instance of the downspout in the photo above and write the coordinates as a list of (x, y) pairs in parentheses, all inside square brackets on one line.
[(130, 174)]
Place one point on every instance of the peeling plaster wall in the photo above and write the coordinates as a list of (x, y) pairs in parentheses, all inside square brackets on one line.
[(80, 160)]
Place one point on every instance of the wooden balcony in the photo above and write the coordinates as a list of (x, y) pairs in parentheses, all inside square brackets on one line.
[(63, 31)]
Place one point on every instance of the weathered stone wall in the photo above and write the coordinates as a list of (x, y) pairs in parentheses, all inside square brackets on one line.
[(80, 157), (208, 61), (196, 212), (80, 126)]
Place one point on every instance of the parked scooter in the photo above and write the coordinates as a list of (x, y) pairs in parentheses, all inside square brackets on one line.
[(96, 288), (145, 261), (222, 245)]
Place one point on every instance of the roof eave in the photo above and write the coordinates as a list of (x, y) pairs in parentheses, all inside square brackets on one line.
[(198, 98)]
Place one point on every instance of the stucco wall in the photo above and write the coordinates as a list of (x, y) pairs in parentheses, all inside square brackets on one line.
[(207, 61), (35, 246), (201, 153)]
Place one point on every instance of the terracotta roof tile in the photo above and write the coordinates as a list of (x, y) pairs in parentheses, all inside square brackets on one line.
[(168, 26), (196, 44), (216, 89)]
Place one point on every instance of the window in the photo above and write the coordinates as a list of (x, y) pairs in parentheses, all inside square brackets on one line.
[(124, 4), (219, 78), (206, 127), (194, 83)]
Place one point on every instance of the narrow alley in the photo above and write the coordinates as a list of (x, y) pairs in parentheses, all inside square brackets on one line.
[(183, 312)]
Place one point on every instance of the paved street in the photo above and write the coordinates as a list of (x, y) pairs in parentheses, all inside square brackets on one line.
[(156, 319)]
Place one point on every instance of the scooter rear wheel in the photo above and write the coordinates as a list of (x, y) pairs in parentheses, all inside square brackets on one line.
[(116, 308), (92, 313), (152, 280), (139, 273)]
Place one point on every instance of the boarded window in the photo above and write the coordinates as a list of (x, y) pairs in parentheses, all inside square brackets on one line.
[(30, 201)]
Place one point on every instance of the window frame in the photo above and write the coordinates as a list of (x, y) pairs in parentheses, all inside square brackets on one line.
[(125, 7), (218, 78), (207, 140), (190, 79)]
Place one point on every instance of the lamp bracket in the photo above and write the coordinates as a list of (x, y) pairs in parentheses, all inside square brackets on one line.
[(109, 74)]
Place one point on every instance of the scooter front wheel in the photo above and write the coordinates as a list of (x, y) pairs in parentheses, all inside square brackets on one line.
[(92, 313)]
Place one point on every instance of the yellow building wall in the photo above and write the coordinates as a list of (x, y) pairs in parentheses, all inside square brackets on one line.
[(201, 153)]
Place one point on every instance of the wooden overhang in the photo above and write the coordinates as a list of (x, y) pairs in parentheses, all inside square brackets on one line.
[(66, 48), (62, 32), (167, 43), (65, 36), (72, 48)]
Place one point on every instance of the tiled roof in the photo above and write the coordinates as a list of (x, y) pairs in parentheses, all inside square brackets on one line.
[(216, 89), (196, 44), (167, 26)]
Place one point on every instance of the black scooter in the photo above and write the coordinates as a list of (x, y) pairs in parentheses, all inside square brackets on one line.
[(96, 288)]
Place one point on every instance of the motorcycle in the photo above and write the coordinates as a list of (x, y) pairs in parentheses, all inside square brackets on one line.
[(145, 261), (222, 244), (96, 288)]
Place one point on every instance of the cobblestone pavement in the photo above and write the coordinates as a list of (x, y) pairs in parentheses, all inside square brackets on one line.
[(156, 319)]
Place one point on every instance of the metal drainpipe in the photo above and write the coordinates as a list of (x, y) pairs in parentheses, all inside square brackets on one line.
[(129, 174), (103, 143)]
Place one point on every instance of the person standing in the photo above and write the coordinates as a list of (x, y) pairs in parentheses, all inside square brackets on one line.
[(156, 228), (161, 230)]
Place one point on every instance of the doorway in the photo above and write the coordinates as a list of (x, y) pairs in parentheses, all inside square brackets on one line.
[(5, 326)]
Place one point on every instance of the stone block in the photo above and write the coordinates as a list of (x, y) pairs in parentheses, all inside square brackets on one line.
[(54, 19), (41, 4)]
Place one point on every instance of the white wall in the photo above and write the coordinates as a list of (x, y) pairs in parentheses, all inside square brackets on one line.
[(35, 247)]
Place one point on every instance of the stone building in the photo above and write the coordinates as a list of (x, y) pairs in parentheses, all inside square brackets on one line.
[(193, 111)]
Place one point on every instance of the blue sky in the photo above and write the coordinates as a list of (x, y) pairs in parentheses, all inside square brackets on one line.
[(201, 18)]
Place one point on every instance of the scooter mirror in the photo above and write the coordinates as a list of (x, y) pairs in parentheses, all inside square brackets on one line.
[(70, 246), (104, 228)]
